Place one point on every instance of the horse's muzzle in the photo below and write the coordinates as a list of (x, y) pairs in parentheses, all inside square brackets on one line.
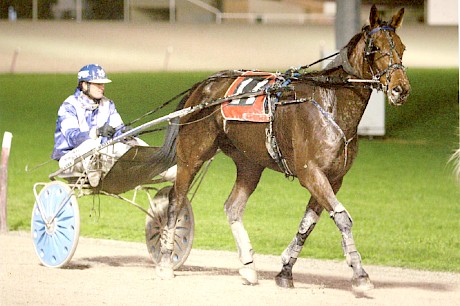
[(398, 94)]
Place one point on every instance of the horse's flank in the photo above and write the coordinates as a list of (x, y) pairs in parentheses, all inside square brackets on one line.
[(315, 125)]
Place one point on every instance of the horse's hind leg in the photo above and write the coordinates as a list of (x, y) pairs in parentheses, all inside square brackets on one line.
[(248, 176), (189, 162), (290, 254)]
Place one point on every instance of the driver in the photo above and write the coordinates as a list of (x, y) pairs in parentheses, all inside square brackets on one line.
[(85, 120)]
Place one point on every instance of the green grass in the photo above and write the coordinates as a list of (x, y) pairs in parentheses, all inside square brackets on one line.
[(400, 191)]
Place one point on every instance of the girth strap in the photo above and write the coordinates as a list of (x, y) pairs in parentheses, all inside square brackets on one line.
[(270, 140)]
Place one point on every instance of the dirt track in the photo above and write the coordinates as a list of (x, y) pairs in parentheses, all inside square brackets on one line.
[(119, 273), (104, 272)]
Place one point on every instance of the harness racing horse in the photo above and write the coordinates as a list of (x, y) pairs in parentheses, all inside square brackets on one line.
[(315, 120)]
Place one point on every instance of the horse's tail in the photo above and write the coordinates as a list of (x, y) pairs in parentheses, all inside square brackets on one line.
[(166, 156)]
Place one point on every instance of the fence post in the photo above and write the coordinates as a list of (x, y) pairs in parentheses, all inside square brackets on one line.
[(6, 145)]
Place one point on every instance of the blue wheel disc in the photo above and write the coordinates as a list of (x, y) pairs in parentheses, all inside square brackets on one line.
[(55, 224)]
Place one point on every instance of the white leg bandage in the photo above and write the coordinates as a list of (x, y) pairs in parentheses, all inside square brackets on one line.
[(243, 243), (295, 247)]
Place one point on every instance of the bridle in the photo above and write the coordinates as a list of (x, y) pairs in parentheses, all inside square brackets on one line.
[(395, 63)]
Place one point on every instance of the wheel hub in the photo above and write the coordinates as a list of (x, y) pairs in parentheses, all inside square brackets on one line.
[(50, 226)]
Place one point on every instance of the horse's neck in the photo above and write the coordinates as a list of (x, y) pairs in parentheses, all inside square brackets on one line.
[(353, 101), (341, 60), (346, 103)]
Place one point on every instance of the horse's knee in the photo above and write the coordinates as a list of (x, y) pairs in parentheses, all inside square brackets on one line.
[(342, 218)]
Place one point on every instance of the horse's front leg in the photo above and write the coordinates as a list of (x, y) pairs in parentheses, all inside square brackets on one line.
[(317, 183), (344, 222), (291, 253)]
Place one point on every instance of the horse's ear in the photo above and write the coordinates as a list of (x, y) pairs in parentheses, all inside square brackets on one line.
[(374, 18), (397, 19)]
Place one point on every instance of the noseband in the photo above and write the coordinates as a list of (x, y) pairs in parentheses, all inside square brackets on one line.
[(371, 50)]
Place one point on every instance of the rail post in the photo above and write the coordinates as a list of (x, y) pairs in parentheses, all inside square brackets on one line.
[(6, 146)]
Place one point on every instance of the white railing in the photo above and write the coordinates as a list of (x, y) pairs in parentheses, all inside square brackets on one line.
[(253, 17), (279, 17), (219, 15)]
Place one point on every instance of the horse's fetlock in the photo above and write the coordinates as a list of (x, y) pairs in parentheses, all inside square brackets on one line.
[(291, 252), (353, 259), (284, 278)]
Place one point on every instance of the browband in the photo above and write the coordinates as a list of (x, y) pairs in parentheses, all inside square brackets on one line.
[(384, 28)]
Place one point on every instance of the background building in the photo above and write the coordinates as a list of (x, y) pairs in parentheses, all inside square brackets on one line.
[(205, 11)]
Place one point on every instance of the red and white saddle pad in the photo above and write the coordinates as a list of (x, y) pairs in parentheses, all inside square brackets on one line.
[(251, 109)]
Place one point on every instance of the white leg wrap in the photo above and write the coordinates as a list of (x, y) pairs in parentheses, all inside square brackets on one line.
[(338, 209), (308, 219), (167, 239), (292, 251), (243, 243)]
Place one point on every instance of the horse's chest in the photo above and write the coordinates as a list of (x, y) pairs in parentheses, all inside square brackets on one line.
[(305, 135)]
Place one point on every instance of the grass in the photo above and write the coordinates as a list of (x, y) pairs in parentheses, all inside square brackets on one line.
[(400, 192)]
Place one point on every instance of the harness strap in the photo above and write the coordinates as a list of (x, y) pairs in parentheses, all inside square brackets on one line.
[(342, 60), (382, 28), (270, 141), (329, 118)]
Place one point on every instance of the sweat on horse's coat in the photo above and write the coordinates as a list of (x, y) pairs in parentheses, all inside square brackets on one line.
[(315, 124)]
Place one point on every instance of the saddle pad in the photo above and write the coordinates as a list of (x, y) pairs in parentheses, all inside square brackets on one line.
[(251, 109)]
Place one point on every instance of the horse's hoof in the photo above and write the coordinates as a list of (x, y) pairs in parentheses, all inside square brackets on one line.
[(284, 282), (164, 272), (361, 284), (249, 276)]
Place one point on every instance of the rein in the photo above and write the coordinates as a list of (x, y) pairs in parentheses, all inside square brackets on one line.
[(275, 91), (328, 117)]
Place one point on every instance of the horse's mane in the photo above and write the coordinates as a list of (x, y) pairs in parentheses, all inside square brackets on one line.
[(354, 41)]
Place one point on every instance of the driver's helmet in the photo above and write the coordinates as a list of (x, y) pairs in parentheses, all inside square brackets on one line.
[(93, 73)]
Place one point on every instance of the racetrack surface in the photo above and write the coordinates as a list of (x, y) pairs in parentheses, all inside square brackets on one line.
[(121, 273), (104, 272)]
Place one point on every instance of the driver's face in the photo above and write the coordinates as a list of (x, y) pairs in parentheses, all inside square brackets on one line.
[(96, 90)]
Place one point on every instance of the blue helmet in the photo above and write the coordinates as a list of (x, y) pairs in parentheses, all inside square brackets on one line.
[(93, 73)]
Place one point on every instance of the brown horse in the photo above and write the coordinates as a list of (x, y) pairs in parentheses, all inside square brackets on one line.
[(316, 116)]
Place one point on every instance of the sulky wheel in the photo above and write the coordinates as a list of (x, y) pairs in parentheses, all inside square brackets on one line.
[(55, 224), (154, 227)]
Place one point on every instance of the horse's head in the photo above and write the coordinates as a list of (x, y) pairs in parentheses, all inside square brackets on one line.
[(383, 53)]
